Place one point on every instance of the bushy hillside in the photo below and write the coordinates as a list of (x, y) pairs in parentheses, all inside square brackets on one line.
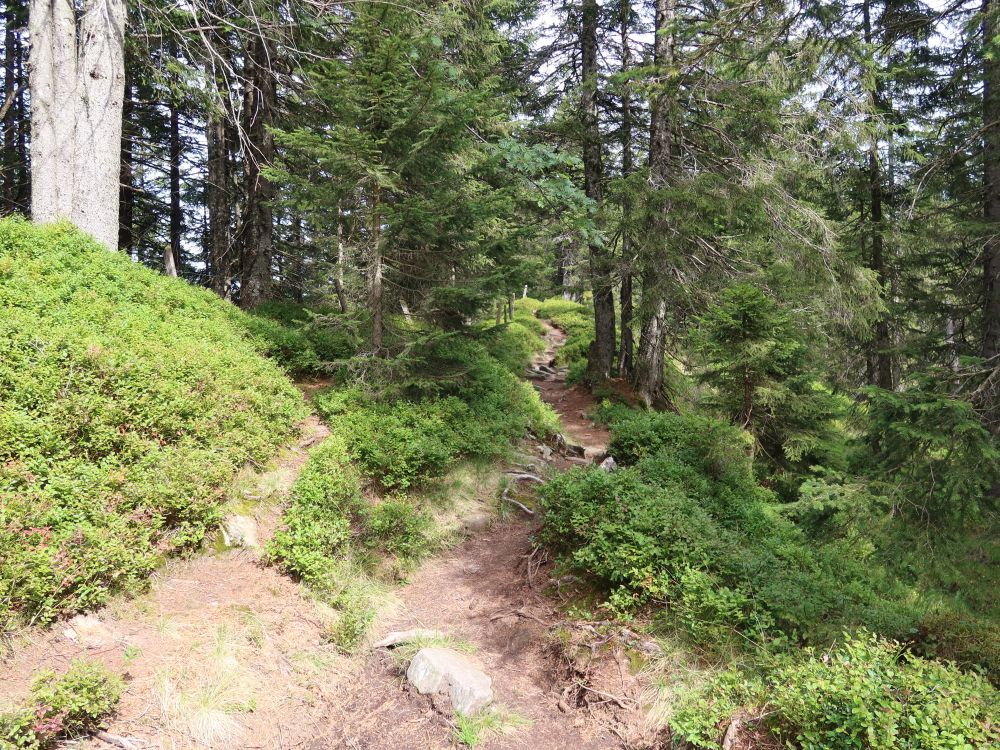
[(127, 401)]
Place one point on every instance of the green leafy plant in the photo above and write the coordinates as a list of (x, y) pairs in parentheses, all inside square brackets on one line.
[(868, 693), (685, 528), (127, 402), (931, 452), (62, 706)]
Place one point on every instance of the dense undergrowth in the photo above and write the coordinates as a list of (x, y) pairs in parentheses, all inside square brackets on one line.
[(760, 544), (127, 402), (304, 340), (359, 513)]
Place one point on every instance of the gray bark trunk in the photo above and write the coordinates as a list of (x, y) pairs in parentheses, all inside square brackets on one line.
[(77, 80), (648, 376), (626, 351), (602, 353), (991, 204), (217, 200), (338, 279), (258, 224)]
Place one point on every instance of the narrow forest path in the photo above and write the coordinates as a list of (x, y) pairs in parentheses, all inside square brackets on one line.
[(491, 593), (225, 652)]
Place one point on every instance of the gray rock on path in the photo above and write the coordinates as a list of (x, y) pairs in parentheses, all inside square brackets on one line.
[(609, 464), (90, 632), (239, 531), (477, 522), (443, 670)]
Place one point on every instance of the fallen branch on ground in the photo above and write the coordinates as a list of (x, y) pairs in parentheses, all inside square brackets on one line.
[(512, 501), (114, 739), (525, 477), (519, 613), (620, 702)]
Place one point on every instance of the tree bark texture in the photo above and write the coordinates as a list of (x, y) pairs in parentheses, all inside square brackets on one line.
[(648, 377), (77, 80), (258, 225), (602, 353), (991, 159)]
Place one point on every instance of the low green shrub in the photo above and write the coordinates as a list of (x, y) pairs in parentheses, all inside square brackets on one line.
[(330, 531), (62, 707), (685, 526), (304, 340), (526, 306), (403, 443), (514, 344), (962, 638), (356, 614), (397, 527), (461, 403), (533, 324), (316, 526), (128, 400), (866, 694), (556, 306)]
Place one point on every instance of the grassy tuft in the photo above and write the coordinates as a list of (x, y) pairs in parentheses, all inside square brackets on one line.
[(475, 730)]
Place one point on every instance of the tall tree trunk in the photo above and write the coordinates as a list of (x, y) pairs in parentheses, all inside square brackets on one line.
[(376, 300), (625, 353), (172, 257), (52, 26), (648, 378), (991, 159), (881, 343), (7, 122), (602, 352), (257, 231), (295, 273), (23, 199), (338, 278), (126, 232), (101, 91), (77, 79), (217, 202)]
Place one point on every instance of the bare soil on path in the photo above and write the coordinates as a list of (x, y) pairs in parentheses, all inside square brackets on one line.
[(224, 652)]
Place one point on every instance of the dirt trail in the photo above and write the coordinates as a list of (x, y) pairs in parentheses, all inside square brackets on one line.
[(573, 403), (224, 652), (492, 592)]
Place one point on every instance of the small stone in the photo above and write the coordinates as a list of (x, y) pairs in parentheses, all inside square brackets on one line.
[(609, 464), (443, 670), (546, 452), (594, 454), (477, 522), (89, 631), (239, 531)]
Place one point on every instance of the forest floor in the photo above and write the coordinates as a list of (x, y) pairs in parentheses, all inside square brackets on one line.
[(226, 652)]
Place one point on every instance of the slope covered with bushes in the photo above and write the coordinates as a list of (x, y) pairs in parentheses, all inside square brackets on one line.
[(127, 401)]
